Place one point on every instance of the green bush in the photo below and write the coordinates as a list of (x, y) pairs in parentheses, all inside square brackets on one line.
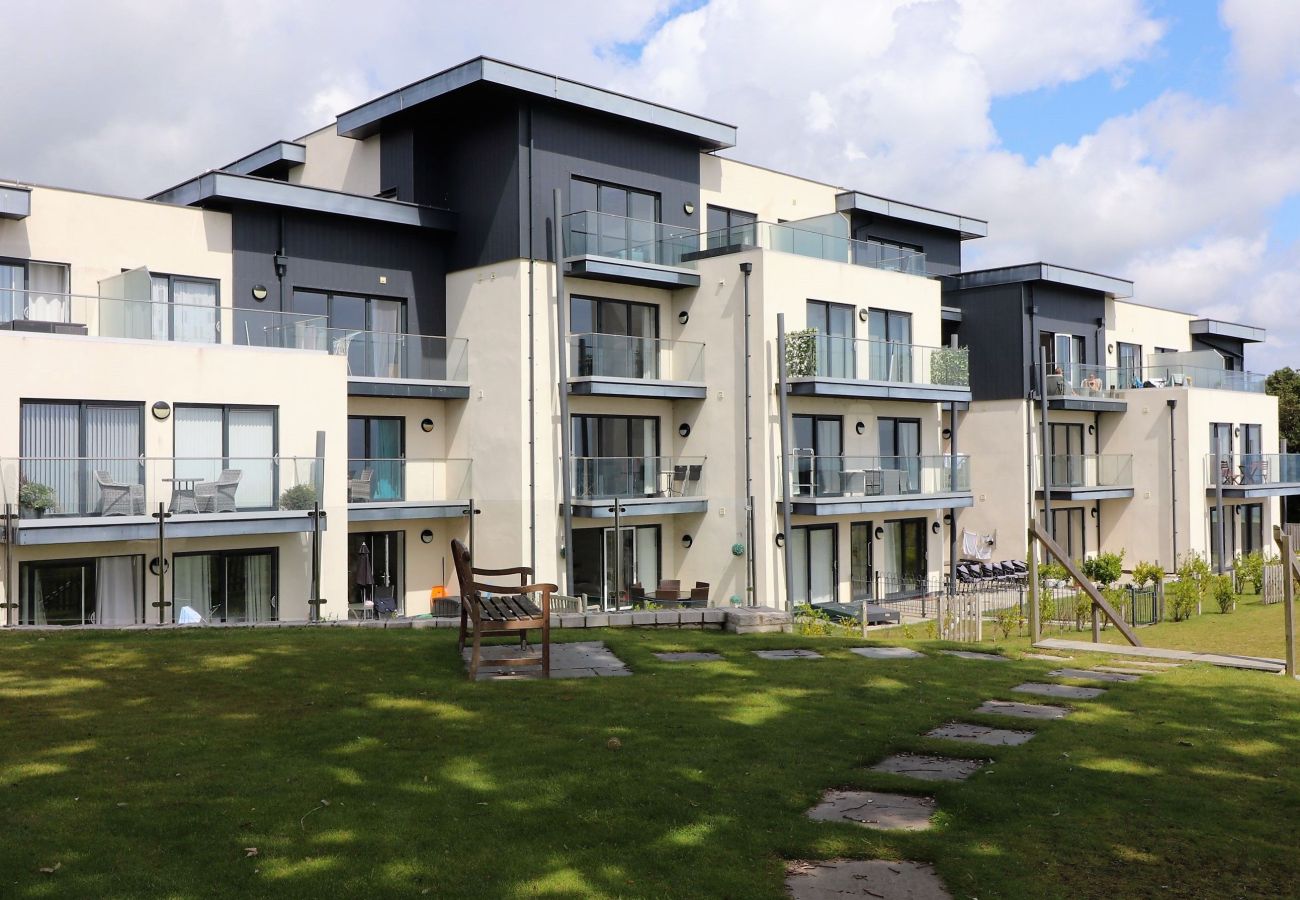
[(1105, 568), (801, 353), (1183, 597), (36, 496), (1008, 621), (1250, 568), (1148, 574), (1052, 571), (1082, 610), (1046, 606), (300, 496), (1119, 599), (950, 367), (1221, 588), (1193, 565)]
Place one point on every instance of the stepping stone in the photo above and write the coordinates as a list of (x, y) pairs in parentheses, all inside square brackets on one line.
[(1059, 690), (887, 652), (788, 654), (980, 734), (837, 879), (689, 657), (872, 809), (1125, 670), (929, 768), (572, 659), (1022, 710), (1092, 675), (972, 654), (1047, 656)]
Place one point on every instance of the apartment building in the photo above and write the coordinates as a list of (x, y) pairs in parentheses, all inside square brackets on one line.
[(497, 290), (1145, 426)]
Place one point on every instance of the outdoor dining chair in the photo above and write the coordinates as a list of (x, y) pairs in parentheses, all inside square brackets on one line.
[(117, 498)]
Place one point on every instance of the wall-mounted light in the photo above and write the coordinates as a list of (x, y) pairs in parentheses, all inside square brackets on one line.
[(1110, 348), (1236, 432), (683, 317), (161, 410), (936, 527), (1092, 429), (281, 265), (947, 518), (684, 429), (780, 538), (426, 426), (426, 536), (1093, 511), (687, 540), (861, 427), (259, 292), (159, 567), (863, 314), (947, 434), (880, 532), (689, 208)]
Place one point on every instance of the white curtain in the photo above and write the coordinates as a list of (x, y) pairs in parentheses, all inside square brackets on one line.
[(192, 584), (195, 311), (259, 592), (159, 309), (252, 446), (386, 343), (119, 598), (48, 287), (647, 556), (198, 442), (12, 282), (799, 564), (49, 442), (112, 446)]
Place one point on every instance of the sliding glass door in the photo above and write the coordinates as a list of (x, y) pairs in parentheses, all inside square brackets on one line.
[(818, 450), (900, 451), (602, 557), (89, 456), (185, 309), (226, 585), (617, 456), (833, 323), (376, 457), (861, 560), (891, 345), (618, 337), (106, 590), (903, 565), (815, 564), (236, 440)]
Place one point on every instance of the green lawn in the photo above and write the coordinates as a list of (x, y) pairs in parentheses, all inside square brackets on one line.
[(1252, 630), (360, 763)]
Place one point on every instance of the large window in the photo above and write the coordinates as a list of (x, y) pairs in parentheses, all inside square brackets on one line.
[(903, 559), (625, 224), (1130, 364), (900, 452), (35, 291), (375, 566), (891, 345), (616, 456), (861, 551), (818, 450), (814, 564), (88, 454), (1221, 445), (106, 590), (730, 227), (833, 323), (232, 444), (369, 331), (1068, 531), (227, 585), (1067, 454), (1065, 356), (185, 309), (1252, 527), (636, 551), (618, 337), (1229, 536), (376, 458)]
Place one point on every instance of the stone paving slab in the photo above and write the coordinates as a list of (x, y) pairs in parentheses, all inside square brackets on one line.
[(1126, 670), (1059, 690), (577, 659), (1153, 666), (1022, 710), (873, 809), (981, 734), (887, 652), (1093, 675), (1049, 657), (929, 768), (836, 879), (1255, 663), (788, 654), (689, 657), (973, 654)]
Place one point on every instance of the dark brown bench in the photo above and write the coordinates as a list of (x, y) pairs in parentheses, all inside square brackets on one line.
[(507, 610)]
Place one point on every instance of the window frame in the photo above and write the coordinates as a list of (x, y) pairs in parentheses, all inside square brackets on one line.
[(224, 554)]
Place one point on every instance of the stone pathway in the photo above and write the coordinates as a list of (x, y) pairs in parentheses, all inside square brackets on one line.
[(1255, 663), (1022, 710), (689, 657), (972, 654), (580, 659), (980, 734), (836, 879), (887, 652), (1092, 675), (929, 768), (1058, 690), (787, 654), (873, 809)]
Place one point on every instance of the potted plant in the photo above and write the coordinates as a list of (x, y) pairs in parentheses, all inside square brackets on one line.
[(300, 496), (36, 497)]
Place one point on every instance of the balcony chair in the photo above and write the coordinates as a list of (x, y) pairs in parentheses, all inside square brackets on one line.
[(677, 482), (385, 601), (669, 591), (1226, 475), (488, 610), (699, 596), (117, 498), (219, 495), (360, 488)]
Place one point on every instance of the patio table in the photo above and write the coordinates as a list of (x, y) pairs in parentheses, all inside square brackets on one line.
[(183, 499)]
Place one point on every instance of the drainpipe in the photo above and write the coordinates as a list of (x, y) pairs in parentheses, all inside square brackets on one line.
[(1173, 476), (562, 339), (1045, 442), (532, 371), (1219, 526), (787, 550), (746, 269), (952, 486)]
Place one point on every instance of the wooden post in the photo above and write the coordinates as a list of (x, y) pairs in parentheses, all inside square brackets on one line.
[(1289, 567), (1035, 626), (1099, 602)]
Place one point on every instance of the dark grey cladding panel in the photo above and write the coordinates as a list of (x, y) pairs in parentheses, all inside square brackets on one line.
[(993, 327), (15, 201), (272, 161), (366, 119), (330, 253), (869, 204)]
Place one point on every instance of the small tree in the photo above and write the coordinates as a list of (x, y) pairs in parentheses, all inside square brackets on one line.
[(1221, 587), (1250, 568), (801, 353), (1148, 573), (1105, 568)]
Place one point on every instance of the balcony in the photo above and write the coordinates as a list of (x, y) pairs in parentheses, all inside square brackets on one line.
[(394, 489), (642, 485), (616, 365), (820, 365), (75, 500), (790, 238), (607, 247), (1087, 476), (381, 364), (1084, 388), (1249, 475), (1188, 376), (840, 485)]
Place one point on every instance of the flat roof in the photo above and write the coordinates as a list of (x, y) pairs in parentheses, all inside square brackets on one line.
[(225, 186), (1247, 334), (1041, 271), (365, 119), (965, 226), (277, 158)]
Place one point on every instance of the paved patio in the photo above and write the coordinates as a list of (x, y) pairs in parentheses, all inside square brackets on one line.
[(581, 659)]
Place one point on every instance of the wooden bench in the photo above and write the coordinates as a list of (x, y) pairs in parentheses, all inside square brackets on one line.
[(505, 610)]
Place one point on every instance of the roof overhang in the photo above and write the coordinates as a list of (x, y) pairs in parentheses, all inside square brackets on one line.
[(965, 226), (272, 161), (15, 201), (1041, 271), (366, 119), (1247, 334), (218, 187)]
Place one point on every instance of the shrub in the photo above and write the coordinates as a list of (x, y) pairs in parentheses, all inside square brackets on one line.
[(801, 352), (36, 496), (1148, 573), (1105, 568), (1119, 599), (1082, 610), (300, 496), (951, 367), (1046, 606), (1250, 568), (1193, 565), (1184, 595), (1221, 587), (1052, 571), (1008, 621)]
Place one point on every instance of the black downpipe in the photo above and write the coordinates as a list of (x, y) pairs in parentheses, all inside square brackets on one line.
[(532, 374), (1173, 476)]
